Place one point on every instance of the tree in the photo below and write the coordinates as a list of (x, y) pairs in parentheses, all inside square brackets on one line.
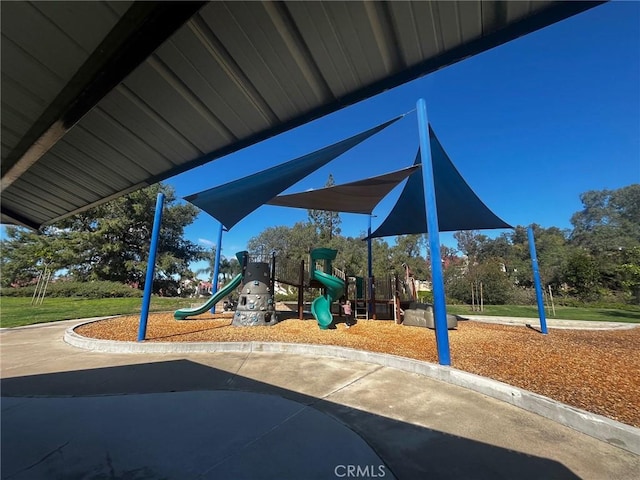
[(227, 269), (552, 249), (629, 271), (499, 247), (606, 227), (610, 219), (210, 257), (408, 251), (381, 256), (288, 242), (111, 241), (352, 255), (496, 286), (326, 223), (581, 275), (470, 243), (26, 253)]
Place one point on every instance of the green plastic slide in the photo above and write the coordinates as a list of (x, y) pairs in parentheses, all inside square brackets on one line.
[(219, 295), (321, 306)]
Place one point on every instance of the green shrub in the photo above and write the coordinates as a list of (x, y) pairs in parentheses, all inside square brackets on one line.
[(16, 292), (521, 296), (98, 289), (286, 297), (425, 297)]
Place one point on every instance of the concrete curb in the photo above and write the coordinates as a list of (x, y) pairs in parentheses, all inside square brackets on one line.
[(597, 426)]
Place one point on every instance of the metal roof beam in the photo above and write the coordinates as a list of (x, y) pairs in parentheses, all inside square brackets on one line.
[(11, 217), (141, 30)]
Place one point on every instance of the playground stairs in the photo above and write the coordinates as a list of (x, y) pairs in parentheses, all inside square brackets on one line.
[(360, 310)]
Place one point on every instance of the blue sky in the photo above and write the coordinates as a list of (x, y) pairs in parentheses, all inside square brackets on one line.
[(530, 125)]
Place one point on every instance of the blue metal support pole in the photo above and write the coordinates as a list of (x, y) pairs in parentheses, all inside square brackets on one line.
[(216, 267), (439, 303), (151, 266), (369, 273), (536, 281)]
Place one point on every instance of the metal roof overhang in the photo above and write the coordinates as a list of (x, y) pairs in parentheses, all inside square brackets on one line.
[(109, 97)]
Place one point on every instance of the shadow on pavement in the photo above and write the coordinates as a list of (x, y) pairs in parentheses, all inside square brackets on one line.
[(409, 451)]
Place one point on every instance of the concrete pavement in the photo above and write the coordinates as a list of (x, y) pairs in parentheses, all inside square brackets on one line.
[(551, 322), (72, 413)]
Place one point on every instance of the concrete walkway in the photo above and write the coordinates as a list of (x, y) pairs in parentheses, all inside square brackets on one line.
[(551, 323), (70, 413)]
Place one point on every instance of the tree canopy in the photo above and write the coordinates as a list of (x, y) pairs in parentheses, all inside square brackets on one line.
[(107, 242), (326, 223)]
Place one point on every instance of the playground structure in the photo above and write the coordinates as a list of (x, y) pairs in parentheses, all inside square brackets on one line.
[(393, 297), (225, 291), (303, 275), (319, 272), (260, 272), (396, 297), (256, 305), (331, 279)]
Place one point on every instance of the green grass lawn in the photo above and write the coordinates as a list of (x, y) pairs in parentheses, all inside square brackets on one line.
[(18, 311)]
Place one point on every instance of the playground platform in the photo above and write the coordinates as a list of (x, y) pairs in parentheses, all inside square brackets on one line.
[(74, 413)]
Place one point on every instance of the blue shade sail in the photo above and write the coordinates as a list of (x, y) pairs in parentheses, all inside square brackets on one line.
[(459, 208), (231, 202), (361, 196)]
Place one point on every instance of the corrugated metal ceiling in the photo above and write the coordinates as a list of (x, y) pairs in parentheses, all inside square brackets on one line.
[(111, 96)]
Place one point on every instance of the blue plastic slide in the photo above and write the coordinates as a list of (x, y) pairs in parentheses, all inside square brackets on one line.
[(321, 306), (219, 295)]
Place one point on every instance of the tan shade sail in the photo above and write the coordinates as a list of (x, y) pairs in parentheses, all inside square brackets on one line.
[(361, 196)]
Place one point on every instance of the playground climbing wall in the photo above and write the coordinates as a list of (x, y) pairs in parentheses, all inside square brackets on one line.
[(256, 304)]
